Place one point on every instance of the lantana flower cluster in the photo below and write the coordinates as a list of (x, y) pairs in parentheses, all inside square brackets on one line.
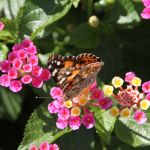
[(22, 67), (76, 111), (129, 99), (45, 146), (146, 11)]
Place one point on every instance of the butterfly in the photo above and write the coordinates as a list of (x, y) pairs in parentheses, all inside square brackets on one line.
[(74, 73)]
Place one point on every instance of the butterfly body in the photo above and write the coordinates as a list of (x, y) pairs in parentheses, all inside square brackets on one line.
[(73, 74)]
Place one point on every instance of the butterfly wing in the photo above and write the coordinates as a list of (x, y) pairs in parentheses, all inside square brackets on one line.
[(73, 74)]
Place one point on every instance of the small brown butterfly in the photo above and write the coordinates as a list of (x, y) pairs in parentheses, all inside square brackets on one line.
[(74, 73)]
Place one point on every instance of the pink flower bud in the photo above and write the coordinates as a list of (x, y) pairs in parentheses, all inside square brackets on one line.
[(12, 56), (140, 117), (53, 147), (74, 122), (64, 114), (146, 13), (129, 76), (105, 103), (5, 65), (44, 146), (146, 87), (97, 94), (31, 50), (56, 92), (33, 147)]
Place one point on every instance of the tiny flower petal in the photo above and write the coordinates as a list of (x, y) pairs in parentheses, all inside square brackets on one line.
[(26, 79), (147, 96), (108, 90), (5, 80), (74, 122), (82, 101), (33, 60), (36, 71), (129, 76), (56, 92), (15, 86), (53, 147), (105, 103), (75, 111), (140, 117), (125, 113), (68, 104), (146, 13), (117, 82), (45, 75), (12, 56), (61, 124), (27, 68), (97, 94), (1, 25), (93, 86), (22, 54), (64, 114), (114, 111), (33, 147), (13, 74), (52, 108), (17, 63), (88, 120), (44, 146), (146, 87), (31, 50), (144, 104), (136, 81), (37, 82), (146, 3), (5, 66)]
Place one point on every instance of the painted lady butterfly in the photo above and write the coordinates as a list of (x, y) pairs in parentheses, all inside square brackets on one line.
[(73, 74)]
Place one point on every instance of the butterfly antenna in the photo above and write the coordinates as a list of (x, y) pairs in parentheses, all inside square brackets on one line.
[(42, 97)]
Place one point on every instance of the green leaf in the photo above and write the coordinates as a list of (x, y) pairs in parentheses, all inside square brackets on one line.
[(10, 104), (84, 36), (3, 51), (11, 7), (104, 124), (41, 127), (82, 137), (36, 15), (131, 133), (131, 15)]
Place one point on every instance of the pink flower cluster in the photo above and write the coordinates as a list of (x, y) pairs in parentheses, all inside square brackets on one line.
[(146, 11), (130, 99), (45, 146), (76, 111), (1, 25), (22, 67)]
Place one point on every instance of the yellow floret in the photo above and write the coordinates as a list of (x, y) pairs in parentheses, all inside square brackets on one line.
[(125, 113), (144, 104), (117, 82), (68, 104), (82, 101), (75, 111), (108, 90), (114, 111), (136, 81)]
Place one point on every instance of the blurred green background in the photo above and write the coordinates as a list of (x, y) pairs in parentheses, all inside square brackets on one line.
[(121, 39)]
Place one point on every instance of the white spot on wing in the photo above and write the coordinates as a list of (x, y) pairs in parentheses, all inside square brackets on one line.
[(62, 80), (54, 72), (58, 63)]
